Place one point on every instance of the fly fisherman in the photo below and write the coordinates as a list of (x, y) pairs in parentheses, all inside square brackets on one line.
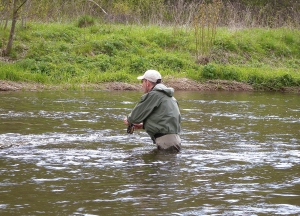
[(157, 112)]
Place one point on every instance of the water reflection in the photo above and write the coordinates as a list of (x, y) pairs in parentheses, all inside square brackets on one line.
[(68, 153)]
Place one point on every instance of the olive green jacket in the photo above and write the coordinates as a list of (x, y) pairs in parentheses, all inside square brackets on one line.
[(159, 112)]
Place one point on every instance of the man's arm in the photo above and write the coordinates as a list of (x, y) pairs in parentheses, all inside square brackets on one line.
[(136, 126)]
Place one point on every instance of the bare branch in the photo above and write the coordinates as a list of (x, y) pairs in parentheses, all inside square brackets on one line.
[(98, 6), (21, 5)]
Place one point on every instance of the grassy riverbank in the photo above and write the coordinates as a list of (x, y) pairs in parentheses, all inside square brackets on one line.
[(56, 53)]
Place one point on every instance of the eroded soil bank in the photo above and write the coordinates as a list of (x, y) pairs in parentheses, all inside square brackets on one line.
[(182, 84)]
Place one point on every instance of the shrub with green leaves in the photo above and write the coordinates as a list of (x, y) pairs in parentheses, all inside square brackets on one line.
[(85, 21), (209, 72)]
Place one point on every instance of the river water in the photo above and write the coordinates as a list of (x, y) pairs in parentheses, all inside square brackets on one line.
[(67, 153)]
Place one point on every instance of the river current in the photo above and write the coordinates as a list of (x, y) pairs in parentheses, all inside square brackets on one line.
[(68, 153)]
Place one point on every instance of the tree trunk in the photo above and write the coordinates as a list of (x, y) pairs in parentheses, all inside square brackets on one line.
[(6, 52)]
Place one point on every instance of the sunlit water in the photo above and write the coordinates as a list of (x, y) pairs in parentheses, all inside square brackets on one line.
[(67, 153)]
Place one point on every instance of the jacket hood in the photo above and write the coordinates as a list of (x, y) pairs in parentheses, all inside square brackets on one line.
[(162, 88)]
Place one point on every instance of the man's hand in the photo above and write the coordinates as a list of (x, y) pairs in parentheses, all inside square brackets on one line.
[(136, 126), (125, 121), (130, 127)]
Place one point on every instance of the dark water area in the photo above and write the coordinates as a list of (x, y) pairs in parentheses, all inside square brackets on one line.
[(67, 153)]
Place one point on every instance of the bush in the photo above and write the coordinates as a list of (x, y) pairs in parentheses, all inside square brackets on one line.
[(209, 72), (85, 21), (229, 74)]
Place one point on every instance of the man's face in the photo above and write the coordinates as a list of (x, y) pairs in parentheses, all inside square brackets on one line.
[(146, 85)]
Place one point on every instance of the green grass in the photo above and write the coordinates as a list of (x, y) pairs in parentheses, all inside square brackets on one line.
[(59, 53)]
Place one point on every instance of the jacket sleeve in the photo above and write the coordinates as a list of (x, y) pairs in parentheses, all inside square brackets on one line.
[(143, 109)]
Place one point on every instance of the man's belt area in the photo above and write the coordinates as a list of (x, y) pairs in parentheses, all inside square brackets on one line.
[(159, 135)]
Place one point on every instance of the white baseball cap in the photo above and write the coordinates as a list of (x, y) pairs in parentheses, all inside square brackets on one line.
[(151, 75)]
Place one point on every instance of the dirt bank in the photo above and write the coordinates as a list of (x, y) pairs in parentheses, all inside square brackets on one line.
[(182, 84)]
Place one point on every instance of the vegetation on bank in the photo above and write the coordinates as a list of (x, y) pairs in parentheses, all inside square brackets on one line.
[(242, 13), (59, 53)]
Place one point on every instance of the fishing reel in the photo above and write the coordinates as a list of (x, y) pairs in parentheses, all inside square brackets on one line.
[(130, 128)]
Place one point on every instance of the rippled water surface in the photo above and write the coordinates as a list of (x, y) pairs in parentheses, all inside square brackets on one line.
[(67, 153)]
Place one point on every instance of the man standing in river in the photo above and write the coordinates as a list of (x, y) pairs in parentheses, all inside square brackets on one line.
[(157, 112)]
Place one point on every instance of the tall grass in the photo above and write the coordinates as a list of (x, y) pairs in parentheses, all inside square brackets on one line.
[(233, 14), (205, 27)]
